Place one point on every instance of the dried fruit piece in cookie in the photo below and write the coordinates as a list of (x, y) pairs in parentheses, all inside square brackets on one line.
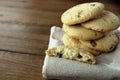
[(71, 53)]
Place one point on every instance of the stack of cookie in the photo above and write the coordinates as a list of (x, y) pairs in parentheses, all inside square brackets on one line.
[(90, 27)]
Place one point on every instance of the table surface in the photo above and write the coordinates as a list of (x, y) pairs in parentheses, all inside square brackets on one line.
[(24, 34)]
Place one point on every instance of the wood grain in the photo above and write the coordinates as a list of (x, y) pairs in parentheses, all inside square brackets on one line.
[(17, 66), (24, 34), (21, 38), (29, 16)]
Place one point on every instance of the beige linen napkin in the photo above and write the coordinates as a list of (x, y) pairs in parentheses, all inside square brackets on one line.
[(108, 67)]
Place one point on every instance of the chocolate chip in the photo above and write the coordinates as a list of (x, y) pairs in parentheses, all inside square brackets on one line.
[(104, 14), (59, 54), (112, 22), (102, 30), (92, 4), (78, 15), (93, 43), (89, 60), (112, 47), (79, 56), (95, 33)]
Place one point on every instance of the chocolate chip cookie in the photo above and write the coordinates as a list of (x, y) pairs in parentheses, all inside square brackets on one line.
[(68, 41), (79, 32), (105, 44), (82, 12), (106, 22)]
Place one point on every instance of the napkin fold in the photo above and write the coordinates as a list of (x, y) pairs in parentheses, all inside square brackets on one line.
[(108, 67)]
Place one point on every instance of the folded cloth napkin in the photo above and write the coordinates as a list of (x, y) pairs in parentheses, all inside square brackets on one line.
[(108, 67)]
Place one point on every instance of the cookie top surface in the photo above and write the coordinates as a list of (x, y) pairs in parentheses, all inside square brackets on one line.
[(79, 32), (68, 41), (105, 44), (82, 12), (106, 22)]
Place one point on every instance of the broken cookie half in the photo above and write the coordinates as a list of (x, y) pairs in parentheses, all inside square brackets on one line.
[(71, 53)]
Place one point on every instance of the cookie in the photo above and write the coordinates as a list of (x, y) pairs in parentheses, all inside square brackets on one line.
[(79, 32), (68, 41), (105, 44), (106, 22), (71, 53), (82, 12)]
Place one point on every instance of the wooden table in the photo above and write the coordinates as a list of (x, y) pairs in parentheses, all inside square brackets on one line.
[(24, 34)]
